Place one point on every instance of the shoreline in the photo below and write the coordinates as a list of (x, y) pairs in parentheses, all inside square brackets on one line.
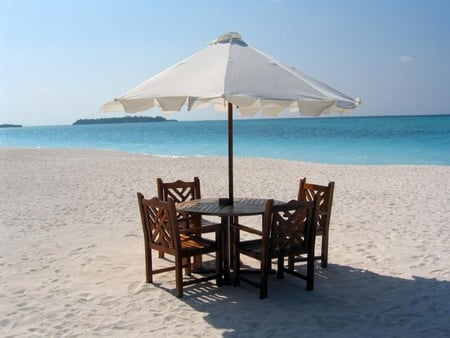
[(118, 151), (72, 256)]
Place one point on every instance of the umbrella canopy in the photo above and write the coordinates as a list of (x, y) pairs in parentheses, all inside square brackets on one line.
[(229, 72)]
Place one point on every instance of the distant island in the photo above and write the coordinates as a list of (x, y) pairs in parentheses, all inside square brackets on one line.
[(7, 125), (125, 119)]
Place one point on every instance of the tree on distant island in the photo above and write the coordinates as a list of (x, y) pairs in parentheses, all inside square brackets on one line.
[(7, 125), (125, 119)]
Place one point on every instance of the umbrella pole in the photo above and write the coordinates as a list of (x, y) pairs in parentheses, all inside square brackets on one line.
[(230, 153)]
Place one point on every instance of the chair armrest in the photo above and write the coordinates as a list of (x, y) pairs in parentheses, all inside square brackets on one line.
[(187, 220), (247, 229), (203, 229)]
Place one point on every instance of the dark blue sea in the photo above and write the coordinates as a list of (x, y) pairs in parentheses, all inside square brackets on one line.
[(335, 140)]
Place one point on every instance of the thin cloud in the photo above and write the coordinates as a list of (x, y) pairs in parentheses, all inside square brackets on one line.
[(406, 58)]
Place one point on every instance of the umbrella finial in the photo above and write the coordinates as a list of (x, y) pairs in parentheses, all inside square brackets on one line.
[(228, 37)]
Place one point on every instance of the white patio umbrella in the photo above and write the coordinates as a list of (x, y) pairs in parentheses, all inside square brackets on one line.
[(229, 72)]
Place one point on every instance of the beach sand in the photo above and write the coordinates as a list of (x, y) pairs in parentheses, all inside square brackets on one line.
[(72, 255)]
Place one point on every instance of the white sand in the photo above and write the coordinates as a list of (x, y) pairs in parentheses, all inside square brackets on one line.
[(72, 256)]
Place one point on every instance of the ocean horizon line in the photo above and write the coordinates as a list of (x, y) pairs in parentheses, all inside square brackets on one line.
[(331, 116)]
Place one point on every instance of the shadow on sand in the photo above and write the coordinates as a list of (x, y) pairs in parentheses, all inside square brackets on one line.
[(346, 302)]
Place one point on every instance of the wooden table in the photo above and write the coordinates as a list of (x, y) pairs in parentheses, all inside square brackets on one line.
[(228, 214)]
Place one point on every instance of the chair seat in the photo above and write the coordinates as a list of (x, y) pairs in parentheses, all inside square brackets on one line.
[(253, 248), (196, 243)]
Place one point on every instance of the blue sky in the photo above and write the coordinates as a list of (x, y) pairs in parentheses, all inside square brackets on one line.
[(61, 60)]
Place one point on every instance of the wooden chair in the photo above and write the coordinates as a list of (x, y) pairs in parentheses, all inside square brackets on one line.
[(162, 233), (324, 196), (287, 229), (181, 191)]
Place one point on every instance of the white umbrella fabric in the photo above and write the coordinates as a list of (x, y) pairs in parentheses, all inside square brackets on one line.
[(229, 72)]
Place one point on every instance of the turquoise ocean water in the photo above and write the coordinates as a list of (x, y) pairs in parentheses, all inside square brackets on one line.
[(336, 140)]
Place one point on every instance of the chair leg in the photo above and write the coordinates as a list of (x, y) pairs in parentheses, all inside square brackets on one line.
[(148, 265), (234, 236), (237, 259), (324, 255), (187, 265), (178, 277), (280, 266), (291, 263), (219, 260), (237, 270), (236, 267), (264, 282), (310, 271)]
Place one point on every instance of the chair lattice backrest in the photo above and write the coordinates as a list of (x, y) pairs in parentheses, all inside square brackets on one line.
[(323, 195), (160, 231), (179, 191), (288, 229)]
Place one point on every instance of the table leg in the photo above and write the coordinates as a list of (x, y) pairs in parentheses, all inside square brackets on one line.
[(225, 220), (198, 262), (232, 239)]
